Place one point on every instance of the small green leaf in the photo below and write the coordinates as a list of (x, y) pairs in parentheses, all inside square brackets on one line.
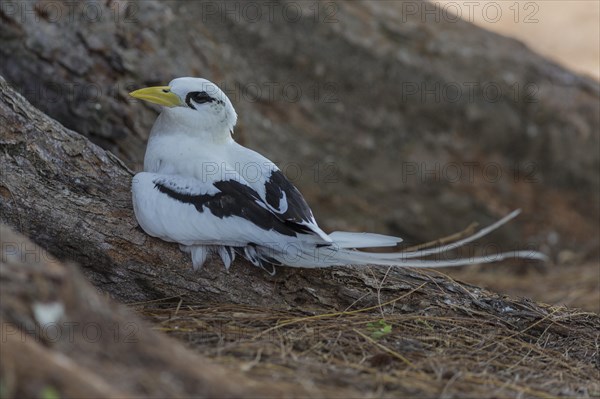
[(379, 329)]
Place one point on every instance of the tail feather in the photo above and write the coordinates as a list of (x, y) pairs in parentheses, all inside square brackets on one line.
[(343, 251), (344, 239), (356, 257), (457, 244)]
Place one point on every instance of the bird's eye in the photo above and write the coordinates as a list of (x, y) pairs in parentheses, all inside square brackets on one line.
[(201, 97)]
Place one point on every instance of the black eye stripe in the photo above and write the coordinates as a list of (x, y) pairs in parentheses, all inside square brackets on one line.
[(188, 101), (199, 97)]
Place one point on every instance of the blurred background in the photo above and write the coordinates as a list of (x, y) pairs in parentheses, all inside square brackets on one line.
[(567, 32), (399, 117)]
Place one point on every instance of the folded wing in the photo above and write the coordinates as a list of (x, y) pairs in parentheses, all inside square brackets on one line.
[(216, 212)]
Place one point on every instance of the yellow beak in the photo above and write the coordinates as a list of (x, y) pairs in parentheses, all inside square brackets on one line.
[(161, 95)]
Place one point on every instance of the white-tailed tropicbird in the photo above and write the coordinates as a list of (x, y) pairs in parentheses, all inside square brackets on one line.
[(201, 189)]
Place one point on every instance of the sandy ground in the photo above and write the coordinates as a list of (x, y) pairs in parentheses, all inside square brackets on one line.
[(566, 31)]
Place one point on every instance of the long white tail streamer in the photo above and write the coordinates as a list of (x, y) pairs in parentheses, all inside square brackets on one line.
[(343, 251)]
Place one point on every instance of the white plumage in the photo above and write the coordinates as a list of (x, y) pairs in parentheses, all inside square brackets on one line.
[(204, 191)]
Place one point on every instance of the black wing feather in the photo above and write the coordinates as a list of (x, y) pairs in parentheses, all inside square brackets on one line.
[(298, 210), (234, 199)]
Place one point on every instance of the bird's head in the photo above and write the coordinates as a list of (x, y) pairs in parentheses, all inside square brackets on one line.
[(195, 103)]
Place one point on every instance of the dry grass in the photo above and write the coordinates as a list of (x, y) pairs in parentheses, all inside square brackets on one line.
[(428, 341)]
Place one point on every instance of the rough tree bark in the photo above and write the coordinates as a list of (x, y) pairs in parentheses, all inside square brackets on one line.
[(60, 336)]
